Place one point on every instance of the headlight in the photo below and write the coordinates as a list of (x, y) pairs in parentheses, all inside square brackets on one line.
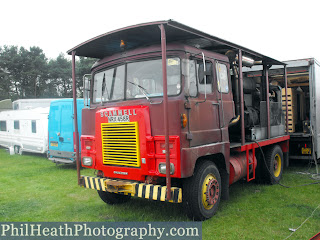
[(87, 161), (162, 168)]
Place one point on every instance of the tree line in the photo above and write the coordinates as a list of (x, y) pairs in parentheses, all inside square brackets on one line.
[(28, 73)]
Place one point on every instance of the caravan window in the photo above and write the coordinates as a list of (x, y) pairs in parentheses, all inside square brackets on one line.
[(3, 126), (16, 124), (33, 126)]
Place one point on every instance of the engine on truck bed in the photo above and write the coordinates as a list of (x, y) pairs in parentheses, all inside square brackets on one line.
[(255, 107)]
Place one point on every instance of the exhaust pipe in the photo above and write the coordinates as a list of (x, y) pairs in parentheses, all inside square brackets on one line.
[(247, 62), (234, 120), (235, 84)]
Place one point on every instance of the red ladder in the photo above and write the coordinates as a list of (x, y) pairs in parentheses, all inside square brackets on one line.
[(251, 163)]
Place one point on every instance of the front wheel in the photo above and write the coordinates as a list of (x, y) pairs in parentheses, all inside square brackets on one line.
[(113, 198), (202, 192)]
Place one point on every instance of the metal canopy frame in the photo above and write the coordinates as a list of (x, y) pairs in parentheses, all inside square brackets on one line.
[(170, 31), (148, 34)]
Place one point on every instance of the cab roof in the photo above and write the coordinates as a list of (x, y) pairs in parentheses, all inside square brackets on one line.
[(147, 34)]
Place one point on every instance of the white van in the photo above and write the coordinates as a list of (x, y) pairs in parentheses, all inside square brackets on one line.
[(25, 130)]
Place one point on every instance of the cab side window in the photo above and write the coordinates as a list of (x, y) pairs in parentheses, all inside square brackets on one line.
[(193, 89), (222, 77), (205, 85)]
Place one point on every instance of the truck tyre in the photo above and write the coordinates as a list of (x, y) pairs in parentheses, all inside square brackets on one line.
[(275, 162), (202, 192), (113, 198)]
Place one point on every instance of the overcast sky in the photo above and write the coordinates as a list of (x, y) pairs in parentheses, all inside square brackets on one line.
[(280, 29)]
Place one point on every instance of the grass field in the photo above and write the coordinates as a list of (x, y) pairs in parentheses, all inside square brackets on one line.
[(34, 189)]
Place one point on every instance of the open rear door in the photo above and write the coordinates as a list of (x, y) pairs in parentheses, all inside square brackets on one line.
[(66, 127), (54, 126), (314, 81)]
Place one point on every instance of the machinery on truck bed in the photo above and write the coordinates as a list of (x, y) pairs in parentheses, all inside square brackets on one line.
[(170, 117), (303, 106)]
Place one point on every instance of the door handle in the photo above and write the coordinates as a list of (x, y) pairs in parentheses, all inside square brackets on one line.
[(218, 104)]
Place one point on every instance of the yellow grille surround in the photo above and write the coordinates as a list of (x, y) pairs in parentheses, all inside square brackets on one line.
[(120, 144)]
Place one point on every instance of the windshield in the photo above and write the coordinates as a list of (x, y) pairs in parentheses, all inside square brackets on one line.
[(141, 79)]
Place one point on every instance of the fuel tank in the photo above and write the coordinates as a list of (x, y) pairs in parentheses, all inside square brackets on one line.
[(238, 166)]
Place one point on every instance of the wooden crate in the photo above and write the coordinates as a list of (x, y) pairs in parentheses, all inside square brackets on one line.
[(292, 108)]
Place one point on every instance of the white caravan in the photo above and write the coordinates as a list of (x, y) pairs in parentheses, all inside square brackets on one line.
[(25, 130), (22, 104)]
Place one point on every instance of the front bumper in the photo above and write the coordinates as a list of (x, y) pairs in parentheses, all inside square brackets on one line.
[(136, 189)]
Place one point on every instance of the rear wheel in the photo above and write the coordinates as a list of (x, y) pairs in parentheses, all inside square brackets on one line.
[(274, 161), (113, 198), (202, 192)]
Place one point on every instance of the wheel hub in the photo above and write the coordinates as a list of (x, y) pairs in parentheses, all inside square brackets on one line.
[(212, 192), (277, 165)]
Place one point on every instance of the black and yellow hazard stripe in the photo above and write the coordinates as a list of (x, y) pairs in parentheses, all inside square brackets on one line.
[(157, 192), (141, 190), (96, 183)]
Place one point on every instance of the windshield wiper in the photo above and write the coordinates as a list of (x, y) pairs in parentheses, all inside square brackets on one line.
[(145, 93), (142, 89)]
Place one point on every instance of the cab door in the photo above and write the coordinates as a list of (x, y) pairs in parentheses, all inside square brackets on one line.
[(225, 98), (204, 119)]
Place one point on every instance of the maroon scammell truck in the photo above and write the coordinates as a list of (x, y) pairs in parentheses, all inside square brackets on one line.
[(170, 116)]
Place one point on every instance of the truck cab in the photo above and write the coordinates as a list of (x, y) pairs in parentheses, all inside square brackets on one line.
[(132, 91)]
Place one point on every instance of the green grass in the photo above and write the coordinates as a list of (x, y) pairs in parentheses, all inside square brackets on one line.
[(34, 189)]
